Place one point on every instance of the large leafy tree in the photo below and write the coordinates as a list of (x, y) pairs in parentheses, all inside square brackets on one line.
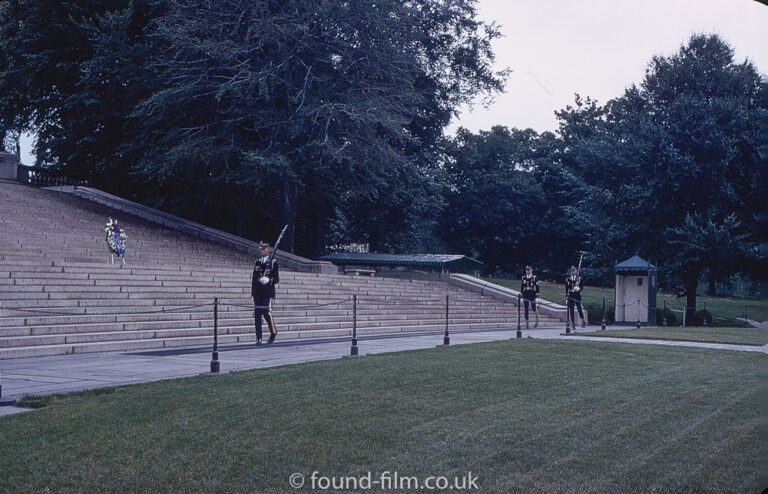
[(68, 74), (285, 107), (493, 201), (672, 165)]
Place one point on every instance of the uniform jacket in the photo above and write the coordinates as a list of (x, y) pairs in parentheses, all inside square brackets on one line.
[(529, 286), (571, 283), (259, 291)]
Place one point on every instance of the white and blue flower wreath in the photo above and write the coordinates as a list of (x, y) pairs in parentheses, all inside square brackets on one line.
[(115, 246)]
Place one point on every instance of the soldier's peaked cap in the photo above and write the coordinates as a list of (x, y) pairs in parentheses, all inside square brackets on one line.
[(528, 267), (574, 268), (264, 245)]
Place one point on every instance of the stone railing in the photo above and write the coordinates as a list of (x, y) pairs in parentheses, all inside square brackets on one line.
[(470, 283), (42, 177), (287, 260)]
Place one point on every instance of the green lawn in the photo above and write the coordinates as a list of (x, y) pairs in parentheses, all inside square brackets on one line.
[(728, 309), (738, 336), (522, 416)]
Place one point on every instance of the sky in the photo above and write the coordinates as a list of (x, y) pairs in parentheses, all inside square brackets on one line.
[(595, 48)]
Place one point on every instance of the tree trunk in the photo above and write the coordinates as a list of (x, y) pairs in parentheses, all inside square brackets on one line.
[(241, 218), (316, 231), (691, 285), (290, 206), (711, 289)]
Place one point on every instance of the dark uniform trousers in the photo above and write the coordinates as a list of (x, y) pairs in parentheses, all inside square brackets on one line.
[(529, 286), (263, 296), (574, 297)]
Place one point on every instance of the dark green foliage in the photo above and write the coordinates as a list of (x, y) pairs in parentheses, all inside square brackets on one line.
[(248, 114), (661, 313), (669, 168), (595, 311), (492, 200), (701, 316)]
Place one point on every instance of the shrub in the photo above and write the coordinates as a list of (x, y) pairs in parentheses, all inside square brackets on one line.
[(671, 317), (701, 315), (595, 311)]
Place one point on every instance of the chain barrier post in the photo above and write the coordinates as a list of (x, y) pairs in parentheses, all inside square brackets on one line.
[(215, 364), (567, 318), (664, 316), (745, 317), (638, 314), (5, 401), (602, 321), (704, 316), (519, 333), (446, 337), (354, 350)]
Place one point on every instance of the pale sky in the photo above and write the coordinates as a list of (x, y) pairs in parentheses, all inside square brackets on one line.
[(597, 48), (592, 47)]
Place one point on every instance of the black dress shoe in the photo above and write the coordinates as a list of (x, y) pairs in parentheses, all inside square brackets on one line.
[(271, 339), (258, 342)]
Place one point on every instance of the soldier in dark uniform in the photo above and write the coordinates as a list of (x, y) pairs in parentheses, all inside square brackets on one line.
[(263, 291), (573, 287), (529, 287)]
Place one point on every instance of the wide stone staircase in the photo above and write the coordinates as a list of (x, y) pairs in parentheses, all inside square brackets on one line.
[(60, 294)]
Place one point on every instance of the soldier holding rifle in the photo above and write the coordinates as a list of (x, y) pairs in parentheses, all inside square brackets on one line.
[(529, 287), (265, 277), (573, 287)]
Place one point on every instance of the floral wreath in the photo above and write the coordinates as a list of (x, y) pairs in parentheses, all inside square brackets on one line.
[(115, 247)]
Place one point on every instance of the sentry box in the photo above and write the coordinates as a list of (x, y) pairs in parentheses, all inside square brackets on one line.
[(635, 294)]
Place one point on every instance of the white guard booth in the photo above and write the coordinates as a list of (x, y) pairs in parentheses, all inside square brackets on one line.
[(635, 294)]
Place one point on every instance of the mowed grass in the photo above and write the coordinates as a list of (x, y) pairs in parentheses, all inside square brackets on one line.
[(724, 310), (522, 416), (736, 336)]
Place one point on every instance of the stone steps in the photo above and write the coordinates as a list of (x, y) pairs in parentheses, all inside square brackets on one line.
[(223, 339), (59, 294)]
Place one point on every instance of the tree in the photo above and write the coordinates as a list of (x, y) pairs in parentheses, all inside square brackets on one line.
[(58, 79), (492, 199), (671, 169), (283, 105)]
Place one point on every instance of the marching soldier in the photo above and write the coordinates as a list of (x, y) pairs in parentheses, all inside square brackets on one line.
[(529, 287), (265, 277), (573, 288)]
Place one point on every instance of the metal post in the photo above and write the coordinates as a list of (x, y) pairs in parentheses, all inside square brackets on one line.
[(568, 318), (602, 322), (215, 364), (664, 315), (519, 333), (746, 325), (446, 337), (4, 402), (704, 316), (354, 350), (638, 313)]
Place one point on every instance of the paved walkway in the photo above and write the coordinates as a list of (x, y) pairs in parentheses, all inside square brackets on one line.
[(65, 373)]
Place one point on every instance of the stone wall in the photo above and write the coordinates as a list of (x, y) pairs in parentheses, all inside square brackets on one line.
[(9, 166)]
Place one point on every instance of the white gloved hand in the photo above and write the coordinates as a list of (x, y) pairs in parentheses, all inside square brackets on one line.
[(252, 301), (576, 289), (263, 280)]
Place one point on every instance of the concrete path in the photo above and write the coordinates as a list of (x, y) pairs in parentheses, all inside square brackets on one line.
[(758, 324), (66, 373)]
